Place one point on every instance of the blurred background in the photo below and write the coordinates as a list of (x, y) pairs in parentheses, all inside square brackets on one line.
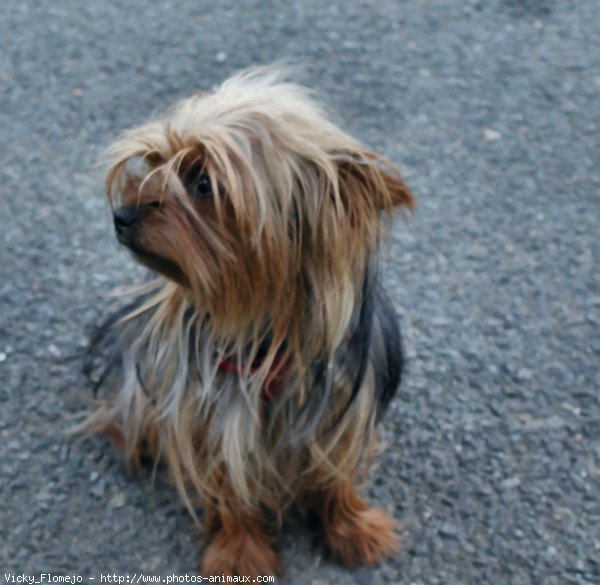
[(490, 109)]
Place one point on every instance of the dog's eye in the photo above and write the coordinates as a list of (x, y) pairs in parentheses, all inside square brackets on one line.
[(202, 186)]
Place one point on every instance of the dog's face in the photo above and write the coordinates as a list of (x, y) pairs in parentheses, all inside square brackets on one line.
[(168, 229), (251, 198)]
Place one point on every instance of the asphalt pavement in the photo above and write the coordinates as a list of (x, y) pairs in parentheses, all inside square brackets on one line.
[(491, 111)]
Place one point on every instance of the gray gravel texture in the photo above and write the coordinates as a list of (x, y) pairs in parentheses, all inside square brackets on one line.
[(491, 111)]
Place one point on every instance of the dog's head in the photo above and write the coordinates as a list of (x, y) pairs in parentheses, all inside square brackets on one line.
[(253, 200)]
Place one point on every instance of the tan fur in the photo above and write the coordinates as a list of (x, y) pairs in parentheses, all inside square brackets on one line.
[(280, 250)]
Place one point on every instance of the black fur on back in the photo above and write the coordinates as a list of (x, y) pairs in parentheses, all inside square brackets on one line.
[(374, 337)]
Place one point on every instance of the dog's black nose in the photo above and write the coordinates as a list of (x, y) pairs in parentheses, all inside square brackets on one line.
[(124, 217)]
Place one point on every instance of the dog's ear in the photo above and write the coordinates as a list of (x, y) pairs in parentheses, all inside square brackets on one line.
[(397, 194), (376, 179)]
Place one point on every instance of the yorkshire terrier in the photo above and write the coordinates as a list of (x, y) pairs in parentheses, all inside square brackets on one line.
[(259, 360)]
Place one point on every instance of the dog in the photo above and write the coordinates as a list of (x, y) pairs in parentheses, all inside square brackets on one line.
[(258, 360)]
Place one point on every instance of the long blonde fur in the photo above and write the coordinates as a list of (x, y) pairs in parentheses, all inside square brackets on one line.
[(277, 259)]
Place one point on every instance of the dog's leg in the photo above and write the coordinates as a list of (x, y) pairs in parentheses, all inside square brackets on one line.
[(144, 452), (238, 543), (354, 532)]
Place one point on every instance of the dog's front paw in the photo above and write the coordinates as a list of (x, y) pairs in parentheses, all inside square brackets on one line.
[(363, 537), (243, 554)]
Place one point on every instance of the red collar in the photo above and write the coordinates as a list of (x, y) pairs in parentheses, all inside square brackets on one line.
[(274, 382)]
